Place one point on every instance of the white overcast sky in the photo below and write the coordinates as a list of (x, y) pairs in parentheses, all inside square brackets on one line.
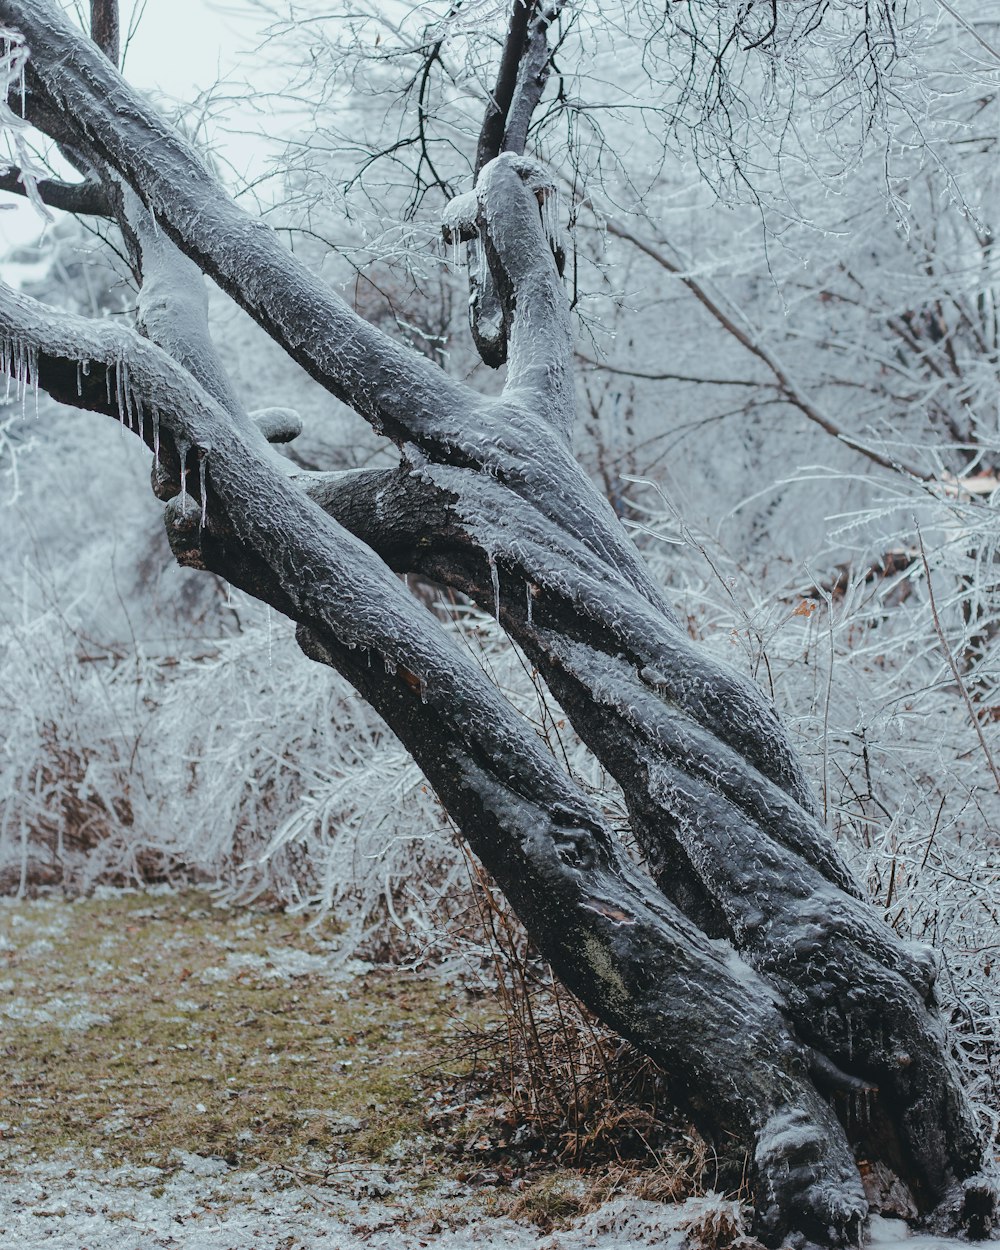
[(180, 47)]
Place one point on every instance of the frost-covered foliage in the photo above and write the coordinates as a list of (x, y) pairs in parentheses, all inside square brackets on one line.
[(886, 668)]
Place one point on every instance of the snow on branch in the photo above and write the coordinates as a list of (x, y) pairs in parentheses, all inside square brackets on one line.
[(512, 223)]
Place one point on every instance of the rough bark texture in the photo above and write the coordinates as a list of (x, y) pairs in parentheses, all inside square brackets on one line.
[(746, 962)]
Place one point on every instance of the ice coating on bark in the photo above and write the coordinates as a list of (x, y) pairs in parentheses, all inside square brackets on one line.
[(278, 425), (458, 219), (719, 697), (512, 192)]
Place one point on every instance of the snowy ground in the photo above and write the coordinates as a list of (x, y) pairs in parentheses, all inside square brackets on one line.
[(66, 1208), (202, 1205), (176, 1075)]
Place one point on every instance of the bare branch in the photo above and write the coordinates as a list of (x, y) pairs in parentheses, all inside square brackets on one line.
[(105, 28), (601, 366), (87, 198), (789, 388)]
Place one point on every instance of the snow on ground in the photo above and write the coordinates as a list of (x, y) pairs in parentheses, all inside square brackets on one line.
[(63, 1207)]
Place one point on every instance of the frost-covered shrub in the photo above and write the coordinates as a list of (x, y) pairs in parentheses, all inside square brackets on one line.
[(883, 655)]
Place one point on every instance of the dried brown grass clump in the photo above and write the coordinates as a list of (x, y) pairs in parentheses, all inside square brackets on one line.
[(548, 1081)]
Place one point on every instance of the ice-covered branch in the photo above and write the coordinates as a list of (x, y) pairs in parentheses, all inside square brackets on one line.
[(519, 235), (87, 197), (173, 304), (393, 387)]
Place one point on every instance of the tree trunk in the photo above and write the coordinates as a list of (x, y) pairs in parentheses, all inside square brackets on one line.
[(746, 962)]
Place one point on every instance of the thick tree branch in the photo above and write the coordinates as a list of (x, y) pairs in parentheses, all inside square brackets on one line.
[(173, 305), (520, 82), (397, 389), (512, 193), (87, 198)]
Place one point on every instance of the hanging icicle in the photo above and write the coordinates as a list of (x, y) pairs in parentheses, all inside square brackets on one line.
[(495, 577), (202, 458)]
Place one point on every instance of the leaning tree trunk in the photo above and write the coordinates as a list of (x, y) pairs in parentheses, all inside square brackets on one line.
[(747, 963)]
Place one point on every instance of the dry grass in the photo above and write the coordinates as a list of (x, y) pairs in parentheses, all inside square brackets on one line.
[(141, 1029), (136, 1025), (560, 1087)]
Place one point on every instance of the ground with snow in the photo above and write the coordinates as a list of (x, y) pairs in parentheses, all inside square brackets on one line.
[(178, 1074)]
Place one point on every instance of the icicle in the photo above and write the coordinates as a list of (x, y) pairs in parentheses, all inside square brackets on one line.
[(495, 576), (79, 378), (183, 451), (120, 392), (550, 217), (10, 355), (140, 416), (201, 488), (530, 597), (107, 382), (156, 435), (33, 374), (127, 392), (482, 268)]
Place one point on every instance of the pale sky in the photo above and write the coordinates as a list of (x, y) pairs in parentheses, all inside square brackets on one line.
[(180, 48)]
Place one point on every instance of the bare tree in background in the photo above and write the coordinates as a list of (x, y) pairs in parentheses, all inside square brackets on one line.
[(786, 1014)]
